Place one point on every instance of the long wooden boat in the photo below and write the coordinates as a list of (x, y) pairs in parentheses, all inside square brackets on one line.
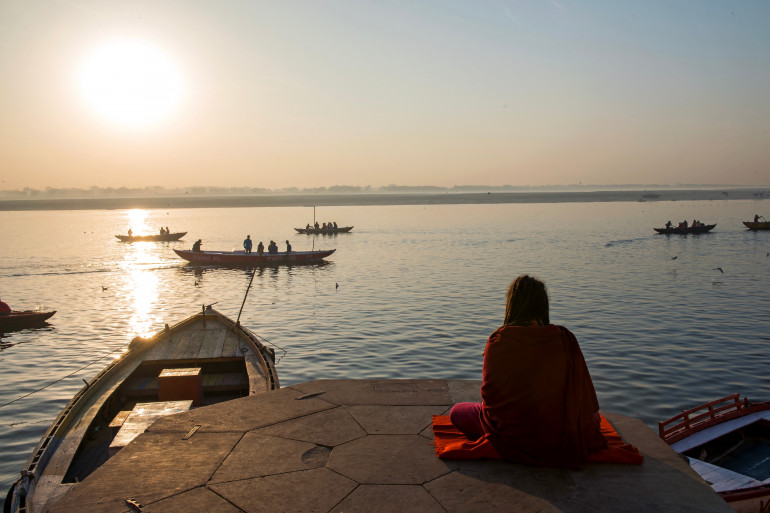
[(241, 258), (324, 231), (685, 231), (727, 442), (17, 319), (166, 237), (204, 359), (759, 225)]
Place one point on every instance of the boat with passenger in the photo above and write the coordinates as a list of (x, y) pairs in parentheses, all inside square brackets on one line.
[(759, 223), (684, 229), (242, 258), (205, 359), (157, 237), (312, 230), (727, 442), (21, 319)]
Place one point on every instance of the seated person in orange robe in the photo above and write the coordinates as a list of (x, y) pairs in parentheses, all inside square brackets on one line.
[(538, 404)]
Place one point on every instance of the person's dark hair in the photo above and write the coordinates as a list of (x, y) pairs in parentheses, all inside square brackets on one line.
[(527, 302)]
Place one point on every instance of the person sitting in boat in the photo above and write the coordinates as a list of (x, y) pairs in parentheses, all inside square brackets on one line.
[(323, 227), (539, 406), (167, 232), (315, 225), (197, 245), (335, 225), (307, 226), (272, 248), (4, 308), (247, 244), (288, 247), (260, 248), (756, 218), (162, 231), (668, 224), (130, 232)]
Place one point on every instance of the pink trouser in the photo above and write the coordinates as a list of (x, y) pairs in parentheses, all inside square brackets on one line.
[(467, 418)]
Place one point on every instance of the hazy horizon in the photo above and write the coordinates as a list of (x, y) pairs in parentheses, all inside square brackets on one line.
[(275, 95)]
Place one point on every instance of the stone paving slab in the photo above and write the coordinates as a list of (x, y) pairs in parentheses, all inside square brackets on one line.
[(365, 445)]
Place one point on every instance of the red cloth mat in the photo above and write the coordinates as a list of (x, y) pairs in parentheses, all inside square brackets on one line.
[(452, 444)]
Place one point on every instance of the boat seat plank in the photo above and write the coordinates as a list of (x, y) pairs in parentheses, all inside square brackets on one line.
[(142, 385), (120, 418), (224, 382), (141, 417)]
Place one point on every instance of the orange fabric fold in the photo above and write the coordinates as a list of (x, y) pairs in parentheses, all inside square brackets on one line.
[(452, 444)]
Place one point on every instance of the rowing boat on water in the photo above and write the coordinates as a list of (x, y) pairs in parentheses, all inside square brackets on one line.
[(324, 231), (758, 225), (241, 258), (204, 359), (703, 228), (165, 237), (727, 442), (17, 319)]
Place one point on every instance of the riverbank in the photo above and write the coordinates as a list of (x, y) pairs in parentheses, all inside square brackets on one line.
[(352, 199)]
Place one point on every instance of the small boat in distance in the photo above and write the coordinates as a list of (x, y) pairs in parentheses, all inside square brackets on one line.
[(204, 359), (324, 231), (759, 223), (241, 258), (165, 237), (727, 442), (701, 228), (17, 319)]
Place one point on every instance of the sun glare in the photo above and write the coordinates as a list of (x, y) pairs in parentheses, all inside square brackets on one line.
[(131, 82)]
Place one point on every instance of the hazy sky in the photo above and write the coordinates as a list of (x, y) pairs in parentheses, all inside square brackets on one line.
[(319, 93)]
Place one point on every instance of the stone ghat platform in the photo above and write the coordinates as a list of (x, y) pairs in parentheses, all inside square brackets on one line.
[(364, 446)]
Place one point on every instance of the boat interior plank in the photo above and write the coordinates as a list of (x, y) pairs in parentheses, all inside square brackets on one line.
[(196, 341), (230, 346), (209, 344), (181, 348), (219, 344)]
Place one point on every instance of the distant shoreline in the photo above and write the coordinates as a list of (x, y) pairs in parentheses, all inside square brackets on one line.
[(353, 199)]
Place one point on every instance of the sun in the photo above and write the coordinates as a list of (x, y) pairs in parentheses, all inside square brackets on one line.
[(131, 82)]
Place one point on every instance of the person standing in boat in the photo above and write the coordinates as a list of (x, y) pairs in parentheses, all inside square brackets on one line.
[(756, 218), (4, 308), (247, 244), (260, 248), (288, 247), (197, 245), (539, 406)]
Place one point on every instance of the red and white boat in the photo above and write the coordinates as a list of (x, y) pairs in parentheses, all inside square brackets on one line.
[(242, 258), (727, 442)]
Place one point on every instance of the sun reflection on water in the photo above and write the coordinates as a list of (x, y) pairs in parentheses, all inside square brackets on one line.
[(140, 279)]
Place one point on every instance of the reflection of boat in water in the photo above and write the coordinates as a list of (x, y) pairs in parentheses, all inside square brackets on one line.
[(703, 228), (237, 258), (324, 231), (166, 237), (204, 359), (727, 442), (17, 320)]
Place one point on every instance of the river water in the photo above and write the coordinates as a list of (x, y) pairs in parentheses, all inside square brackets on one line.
[(412, 292)]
